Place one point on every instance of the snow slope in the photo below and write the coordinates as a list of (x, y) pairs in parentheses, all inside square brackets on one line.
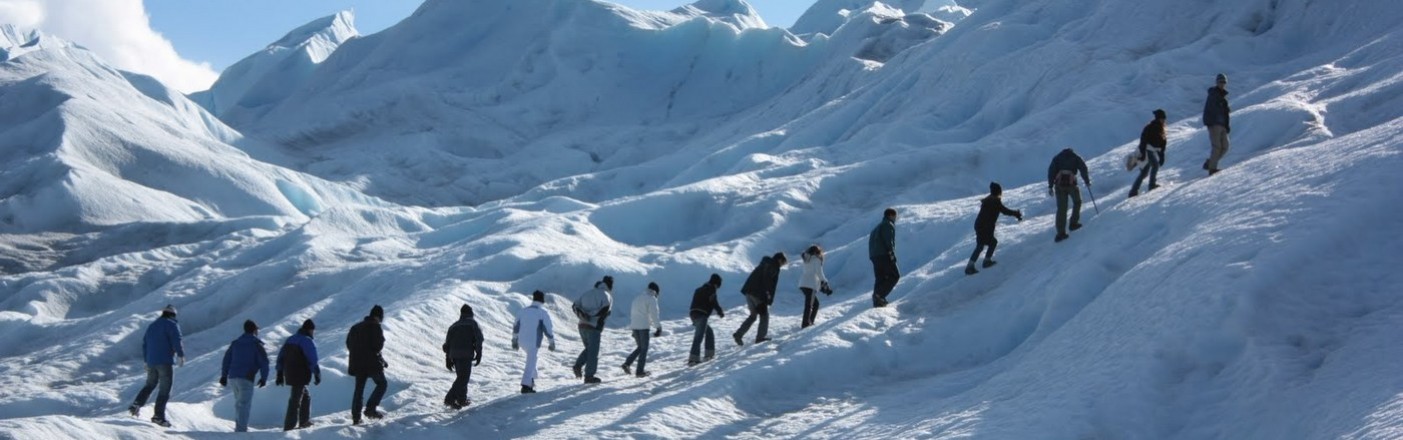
[(1258, 303)]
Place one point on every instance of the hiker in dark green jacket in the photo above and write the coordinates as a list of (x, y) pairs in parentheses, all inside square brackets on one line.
[(881, 248)]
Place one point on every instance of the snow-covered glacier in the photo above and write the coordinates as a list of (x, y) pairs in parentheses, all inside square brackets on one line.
[(481, 149)]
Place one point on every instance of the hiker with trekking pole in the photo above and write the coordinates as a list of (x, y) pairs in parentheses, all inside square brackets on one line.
[(1062, 183)]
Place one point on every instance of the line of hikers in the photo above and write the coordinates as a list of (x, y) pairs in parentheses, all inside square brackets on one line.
[(297, 361)]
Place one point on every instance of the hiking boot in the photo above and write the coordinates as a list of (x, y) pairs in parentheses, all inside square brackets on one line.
[(452, 404), (693, 362), (1136, 193), (709, 356), (579, 371), (1074, 226), (305, 425), (593, 379), (1060, 237), (134, 410), (1212, 172), (759, 340), (1205, 166), (355, 421), (738, 339), (628, 369), (1153, 187), (373, 414), (969, 269), (643, 374), (527, 390), (989, 263), (161, 422)]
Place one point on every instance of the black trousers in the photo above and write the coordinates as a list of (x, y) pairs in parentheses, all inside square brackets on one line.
[(458, 393), (810, 307), (886, 274), (299, 407)]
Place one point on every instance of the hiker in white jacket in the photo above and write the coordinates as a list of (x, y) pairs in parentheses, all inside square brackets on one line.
[(811, 282), (643, 316), (533, 325)]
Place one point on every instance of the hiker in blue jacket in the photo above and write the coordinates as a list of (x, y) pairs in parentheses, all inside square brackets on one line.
[(1062, 181), (297, 367), (244, 358), (161, 349)]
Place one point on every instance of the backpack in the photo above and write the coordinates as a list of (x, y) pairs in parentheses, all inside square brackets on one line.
[(1066, 178)]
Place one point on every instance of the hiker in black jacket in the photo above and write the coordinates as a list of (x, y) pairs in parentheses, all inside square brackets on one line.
[(364, 342), (759, 290), (1217, 117), (297, 367), (984, 223), (1153, 141), (703, 305), (463, 350)]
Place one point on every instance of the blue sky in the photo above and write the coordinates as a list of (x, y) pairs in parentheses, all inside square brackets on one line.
[(220, 32)]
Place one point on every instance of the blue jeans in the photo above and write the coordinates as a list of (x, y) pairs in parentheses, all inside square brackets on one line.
[(1153, 161), (156, 375), (640, 353), (702, 335), (589, 359), (243, 400)]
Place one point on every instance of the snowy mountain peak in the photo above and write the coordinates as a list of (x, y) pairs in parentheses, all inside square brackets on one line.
[(321, 34), (735, 12), (264, 78), (16, 41)]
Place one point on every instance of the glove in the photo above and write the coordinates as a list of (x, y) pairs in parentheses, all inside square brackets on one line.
[(552, 345), (317, 380), (1018, 215), (1088, 183), (450, 364), (181, 361), (279, 380), (477, 360), (721, 314), (658, 333), (516, 345), (384, 364), (223, 381), (262, 382), (1049, 190)]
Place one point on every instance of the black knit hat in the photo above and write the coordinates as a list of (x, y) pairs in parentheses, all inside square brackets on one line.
[(466, 311), (1222, 79), (538, 296), (780, 258), (995, 188), (608, 282), (654, 287), (378, 312), (1159, 114), (309, 325), (250, 326), (715, 280)]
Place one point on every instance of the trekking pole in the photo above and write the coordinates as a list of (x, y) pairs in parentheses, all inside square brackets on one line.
[(1093, 199)]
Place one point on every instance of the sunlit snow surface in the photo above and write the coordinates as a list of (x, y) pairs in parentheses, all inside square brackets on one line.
[(481, 149)]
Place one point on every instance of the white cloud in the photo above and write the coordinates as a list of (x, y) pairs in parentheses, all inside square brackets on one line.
[(117, 30)]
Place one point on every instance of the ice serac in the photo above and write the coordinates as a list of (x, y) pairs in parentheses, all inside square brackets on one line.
[(16, 41), (258, 82), (738, 13)]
